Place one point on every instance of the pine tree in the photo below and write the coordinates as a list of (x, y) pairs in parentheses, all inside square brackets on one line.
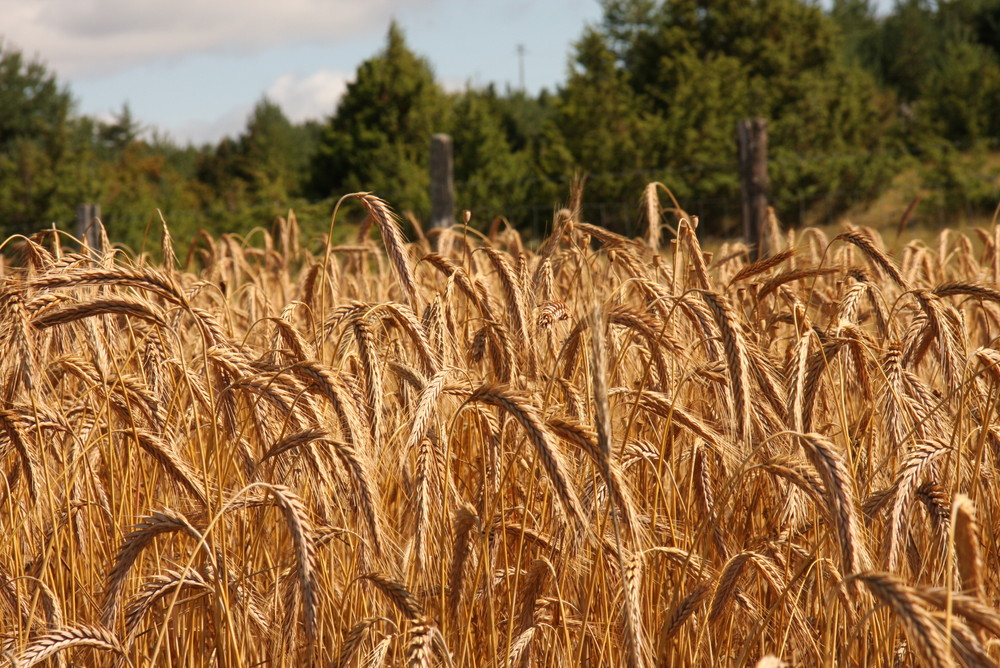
[(961, 94), (606, 129), (692, 68), (37, 147), (490, 177), (379, 138), (273, 153)]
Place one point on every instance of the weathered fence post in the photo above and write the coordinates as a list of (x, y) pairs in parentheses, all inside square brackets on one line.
[(86, 227), (754, 184), (442, 182)]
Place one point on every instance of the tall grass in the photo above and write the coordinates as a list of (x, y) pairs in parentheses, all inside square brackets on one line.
[(606, 452)]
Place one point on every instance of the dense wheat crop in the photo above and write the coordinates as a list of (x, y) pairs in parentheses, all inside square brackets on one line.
[(593, 453)]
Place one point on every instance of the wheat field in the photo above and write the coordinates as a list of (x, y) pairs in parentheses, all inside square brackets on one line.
[(599, 451)]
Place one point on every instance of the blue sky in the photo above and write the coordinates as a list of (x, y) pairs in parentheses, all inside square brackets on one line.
[(195, 68)]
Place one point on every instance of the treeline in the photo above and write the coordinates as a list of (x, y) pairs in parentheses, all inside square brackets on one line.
[(653, 93)]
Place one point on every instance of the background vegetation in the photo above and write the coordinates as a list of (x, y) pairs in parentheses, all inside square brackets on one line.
[(854, 100)]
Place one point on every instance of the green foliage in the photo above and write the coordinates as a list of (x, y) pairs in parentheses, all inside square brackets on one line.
[(858, 25), (961, 182), (907, 47), (274, 154), (489, 173), (249, 181), (607, 131), (133, 187), (942, 60), (37, 146), (962, 93), (672, 79), (379, 137), (531, 125), (928, 51), (653, 92)]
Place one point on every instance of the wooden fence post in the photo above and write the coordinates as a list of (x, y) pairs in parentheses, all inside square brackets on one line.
[(754, 184), (87, 230), (442, 182)]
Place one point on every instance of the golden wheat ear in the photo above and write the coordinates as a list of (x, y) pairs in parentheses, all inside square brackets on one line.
[(580, 451), (392, 238), (967, 546), (67, 638)]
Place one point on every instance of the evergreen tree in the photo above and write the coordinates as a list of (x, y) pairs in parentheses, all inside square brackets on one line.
[(908, 46), (696, 67), (531, 125), (220, 171), (115, 136), (961, 94), (606, 129), (490, 177), (379, 138), (983, 17), (859, 28), (37, 147), (942, 60), (275, 153), (523, 116)]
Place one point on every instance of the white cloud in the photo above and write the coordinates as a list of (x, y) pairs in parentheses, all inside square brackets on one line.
[(311, 97), (315, 96), (453, 85), (301, 98), (198, 132), (95, 37)]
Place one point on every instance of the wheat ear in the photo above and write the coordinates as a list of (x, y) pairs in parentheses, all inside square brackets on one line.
[(967, 545), (301, 529), (466, 521), (838, 481), (149, 527), (921, 628), (545, 444), (66, 638), (737, 363), (393, 240), (397, 593)]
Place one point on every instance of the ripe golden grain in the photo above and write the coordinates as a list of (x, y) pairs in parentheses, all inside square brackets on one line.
[(374, 453)]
